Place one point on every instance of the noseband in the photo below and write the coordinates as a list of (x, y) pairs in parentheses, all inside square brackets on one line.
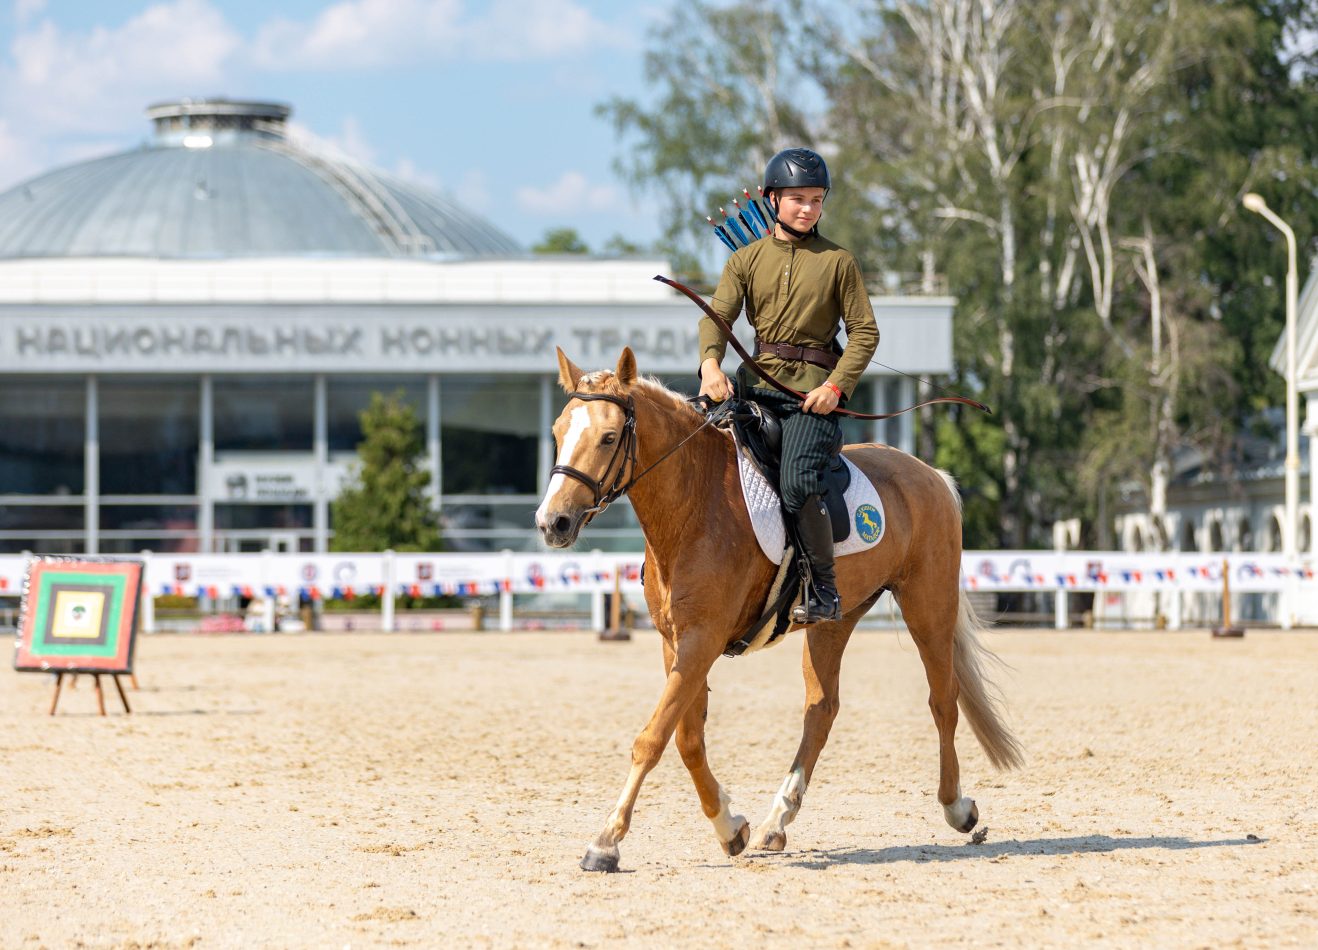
[(624, 455)]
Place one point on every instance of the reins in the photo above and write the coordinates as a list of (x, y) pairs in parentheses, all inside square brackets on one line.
[(749, 360)]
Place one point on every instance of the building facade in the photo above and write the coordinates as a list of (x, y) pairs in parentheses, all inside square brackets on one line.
[(189, 330)]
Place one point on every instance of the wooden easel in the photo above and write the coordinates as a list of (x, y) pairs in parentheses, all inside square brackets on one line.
[(100, 694)]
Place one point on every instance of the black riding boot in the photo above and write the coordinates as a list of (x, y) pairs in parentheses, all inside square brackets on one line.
[(815, 531)]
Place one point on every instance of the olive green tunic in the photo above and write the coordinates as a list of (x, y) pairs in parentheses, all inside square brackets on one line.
[(796, 292)]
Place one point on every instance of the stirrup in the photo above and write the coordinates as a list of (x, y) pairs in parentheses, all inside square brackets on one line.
[(821, 607)]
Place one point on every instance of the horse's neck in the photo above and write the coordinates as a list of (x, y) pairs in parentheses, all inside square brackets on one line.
[(688, 488)]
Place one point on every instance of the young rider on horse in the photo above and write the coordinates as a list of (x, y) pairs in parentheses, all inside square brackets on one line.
[(796, 286)]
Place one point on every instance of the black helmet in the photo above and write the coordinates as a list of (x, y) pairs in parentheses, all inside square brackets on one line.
[(796, 167)]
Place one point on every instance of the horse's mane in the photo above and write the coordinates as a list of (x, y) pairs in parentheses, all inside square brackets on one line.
[(662, 393), (604, 380)]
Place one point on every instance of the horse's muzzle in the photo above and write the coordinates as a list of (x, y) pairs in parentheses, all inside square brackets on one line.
[(559, 528)]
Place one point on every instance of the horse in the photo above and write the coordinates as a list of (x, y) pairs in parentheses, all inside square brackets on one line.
[(706, 581)]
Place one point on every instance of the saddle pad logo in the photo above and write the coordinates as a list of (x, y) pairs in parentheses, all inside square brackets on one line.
[(869, 523)]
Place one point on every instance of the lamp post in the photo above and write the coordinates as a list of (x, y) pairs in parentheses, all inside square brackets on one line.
[(1255, 203)]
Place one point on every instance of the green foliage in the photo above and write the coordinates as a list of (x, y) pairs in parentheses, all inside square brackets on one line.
[(561, 241), (622, 247), (387, 506), (728, 100), (1069, 178)]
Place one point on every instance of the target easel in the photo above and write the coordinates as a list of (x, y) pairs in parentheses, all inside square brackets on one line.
[(79, 615)]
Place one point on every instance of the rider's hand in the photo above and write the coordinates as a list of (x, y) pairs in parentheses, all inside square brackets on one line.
[(821, 400), (713, 381)]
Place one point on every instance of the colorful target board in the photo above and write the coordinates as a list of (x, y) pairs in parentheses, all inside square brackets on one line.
[(78, 616)]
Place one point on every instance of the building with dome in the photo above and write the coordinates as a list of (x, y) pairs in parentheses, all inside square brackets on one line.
[(189, 329)]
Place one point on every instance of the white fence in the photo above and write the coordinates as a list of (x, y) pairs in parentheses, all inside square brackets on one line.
[(1131, 589)]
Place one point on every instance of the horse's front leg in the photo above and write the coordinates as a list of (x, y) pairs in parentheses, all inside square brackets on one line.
[(733, 831), (686, 681), (821, 663)]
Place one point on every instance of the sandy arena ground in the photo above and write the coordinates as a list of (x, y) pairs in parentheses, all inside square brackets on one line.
[(439, 790)]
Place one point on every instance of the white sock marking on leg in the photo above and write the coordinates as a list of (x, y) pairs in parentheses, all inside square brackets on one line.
[(725, 823), (788, 800)]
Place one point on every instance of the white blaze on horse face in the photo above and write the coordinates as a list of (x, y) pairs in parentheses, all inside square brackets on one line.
[(580, 422)]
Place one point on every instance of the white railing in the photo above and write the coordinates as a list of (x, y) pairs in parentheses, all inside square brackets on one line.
[(1176, 589)]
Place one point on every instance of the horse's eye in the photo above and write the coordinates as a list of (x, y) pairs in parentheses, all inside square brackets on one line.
[(609, 438)]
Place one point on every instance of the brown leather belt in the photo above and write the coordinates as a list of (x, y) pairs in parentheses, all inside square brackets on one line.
[(808, 354)]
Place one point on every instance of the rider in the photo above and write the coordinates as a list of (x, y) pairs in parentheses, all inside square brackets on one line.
[(796, 286)]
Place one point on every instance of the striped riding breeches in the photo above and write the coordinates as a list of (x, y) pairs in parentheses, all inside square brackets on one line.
[(809, 441)]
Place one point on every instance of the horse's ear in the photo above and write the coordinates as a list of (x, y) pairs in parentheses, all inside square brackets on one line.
[(569, 374), (626, 371)]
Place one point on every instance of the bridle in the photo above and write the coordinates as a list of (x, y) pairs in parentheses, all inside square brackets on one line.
[(624, 455), (624, 448)]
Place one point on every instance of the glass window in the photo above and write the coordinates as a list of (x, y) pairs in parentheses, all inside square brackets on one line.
[(42, 518), (183, 544), (149, 435), (349, 395), (42, 430), (259, 414), (247, 517), (42, 545), (490, 434), (148, 517)]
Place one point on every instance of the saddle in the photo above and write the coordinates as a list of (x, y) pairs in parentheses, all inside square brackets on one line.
[(762, 434)]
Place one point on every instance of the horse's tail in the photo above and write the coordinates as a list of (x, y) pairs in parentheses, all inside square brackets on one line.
[(980, 698)]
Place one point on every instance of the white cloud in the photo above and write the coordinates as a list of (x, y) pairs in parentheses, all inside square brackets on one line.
[(66, 96), (571, 194), (357, 33), (349, 144), (406, 170), (17, 156), (25, 10), (366, 33), (80, 82)]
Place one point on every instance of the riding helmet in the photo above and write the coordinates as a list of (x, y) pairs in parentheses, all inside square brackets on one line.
[(796, 168)]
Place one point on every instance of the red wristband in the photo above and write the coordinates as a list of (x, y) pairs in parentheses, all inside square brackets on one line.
[(833, 386)]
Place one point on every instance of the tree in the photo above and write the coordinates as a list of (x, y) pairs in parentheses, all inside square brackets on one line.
[(729, 99), (1072, 167), (620, 246), (561, 241), (387, 506)]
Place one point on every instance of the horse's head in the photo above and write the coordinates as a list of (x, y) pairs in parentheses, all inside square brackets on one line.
[(596, 437)]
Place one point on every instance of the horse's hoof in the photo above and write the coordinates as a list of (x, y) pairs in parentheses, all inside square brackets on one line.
[(769, 839), (600, 859), (963, 814), (738, 843)]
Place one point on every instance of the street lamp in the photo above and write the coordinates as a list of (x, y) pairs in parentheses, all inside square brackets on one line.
[(1255, 203)]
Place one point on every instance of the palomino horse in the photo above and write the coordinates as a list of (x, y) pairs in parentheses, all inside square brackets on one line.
[(706, 581)]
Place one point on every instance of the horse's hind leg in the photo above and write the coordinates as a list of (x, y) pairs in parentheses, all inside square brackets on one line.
[(930, 613), (821, 663)]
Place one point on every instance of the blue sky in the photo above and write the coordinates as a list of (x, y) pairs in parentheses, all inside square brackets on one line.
[(490, 101)]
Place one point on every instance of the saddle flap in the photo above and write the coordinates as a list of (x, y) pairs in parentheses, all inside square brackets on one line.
[(837, 479), (761, 434)]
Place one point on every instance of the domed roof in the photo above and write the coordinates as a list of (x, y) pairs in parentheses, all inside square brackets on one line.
[(221, 180)]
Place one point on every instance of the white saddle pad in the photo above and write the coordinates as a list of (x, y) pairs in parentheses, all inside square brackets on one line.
[(864, 511)]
